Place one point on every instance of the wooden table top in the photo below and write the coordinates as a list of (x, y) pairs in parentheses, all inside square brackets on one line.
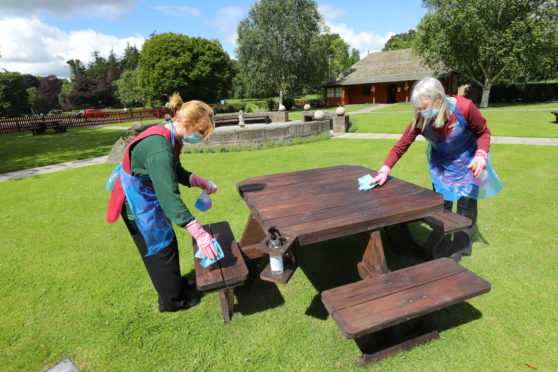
[(325, 203)]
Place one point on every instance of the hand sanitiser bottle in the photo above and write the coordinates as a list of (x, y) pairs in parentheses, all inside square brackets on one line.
[(275, 261), (204, 203)]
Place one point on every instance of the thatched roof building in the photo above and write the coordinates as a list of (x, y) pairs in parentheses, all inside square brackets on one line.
[(383, 77)]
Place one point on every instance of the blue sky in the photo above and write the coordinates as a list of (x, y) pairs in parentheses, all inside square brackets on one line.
[(38, 36)]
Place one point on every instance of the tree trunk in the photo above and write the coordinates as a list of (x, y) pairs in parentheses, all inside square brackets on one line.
[(485, 95), (280, 97)]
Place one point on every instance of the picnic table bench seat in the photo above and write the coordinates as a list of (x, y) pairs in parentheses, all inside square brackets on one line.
[(443, 223), (229, 272), (39, 127), (555, 114), (368, 306)]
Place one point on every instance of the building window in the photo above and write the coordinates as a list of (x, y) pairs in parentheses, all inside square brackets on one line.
[(334, 92), (366, 90)]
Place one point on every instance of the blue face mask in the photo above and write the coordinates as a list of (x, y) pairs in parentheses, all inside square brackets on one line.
[(193, 139), (429, 114)]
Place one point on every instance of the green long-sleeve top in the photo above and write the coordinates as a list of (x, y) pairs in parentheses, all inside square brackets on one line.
[(153, 157)]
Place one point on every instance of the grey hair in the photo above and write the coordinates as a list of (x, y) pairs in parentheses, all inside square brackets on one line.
[(432, 88)]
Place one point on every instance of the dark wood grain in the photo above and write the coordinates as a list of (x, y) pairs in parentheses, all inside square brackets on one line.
[(228, 272), (448, 221), (325, 203), (373, 304)]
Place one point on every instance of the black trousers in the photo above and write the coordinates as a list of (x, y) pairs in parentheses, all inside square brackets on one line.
[(462, 240), (163, 269)]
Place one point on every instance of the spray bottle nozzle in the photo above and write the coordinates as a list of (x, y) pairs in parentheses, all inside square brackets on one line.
[(274, 230)]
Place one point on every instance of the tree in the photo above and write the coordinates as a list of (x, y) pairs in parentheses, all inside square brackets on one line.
[(336, 58), (401, 41), (48, 91), (88, 92), (13, 94), (487, 41), (64, 91), (196, 68), (130, 59), (77, 69), (98, 68), (278, 44), (33, 99), (127, 89)]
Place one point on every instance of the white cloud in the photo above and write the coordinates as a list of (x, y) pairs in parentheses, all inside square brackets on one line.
[(64, 8), (31, 47), (365, 41), (177, 11), (226, 21), (329, 11)]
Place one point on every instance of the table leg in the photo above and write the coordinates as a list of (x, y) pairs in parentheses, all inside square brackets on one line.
[(373, 260), (252, 239)]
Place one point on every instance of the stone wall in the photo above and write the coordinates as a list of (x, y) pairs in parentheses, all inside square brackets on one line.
[(261, 133), (337, 123)]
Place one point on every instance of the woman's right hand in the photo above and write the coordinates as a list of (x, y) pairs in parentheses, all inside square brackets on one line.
[(382, 175), (203, 239)]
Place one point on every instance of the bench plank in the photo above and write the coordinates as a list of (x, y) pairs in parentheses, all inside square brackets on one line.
[(448, 221), (363, 291), (230, 271), (419, 290)]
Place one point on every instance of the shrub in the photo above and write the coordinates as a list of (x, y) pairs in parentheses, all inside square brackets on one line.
[(268, 145), (353, 127), (271, 104), (251, 107), (246, 148), (288, 102), (234, 148)]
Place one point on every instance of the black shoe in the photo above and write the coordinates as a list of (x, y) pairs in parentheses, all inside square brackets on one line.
[(455, 256), (189, 302), (467, 251)]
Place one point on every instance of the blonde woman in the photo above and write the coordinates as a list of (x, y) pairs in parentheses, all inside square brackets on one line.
[(146, 195), (457, 153)]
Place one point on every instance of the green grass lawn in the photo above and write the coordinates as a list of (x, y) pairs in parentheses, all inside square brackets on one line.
[(23, 150), (509, 121), (73, 286)]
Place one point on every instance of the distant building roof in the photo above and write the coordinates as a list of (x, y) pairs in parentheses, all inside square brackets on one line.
[(383, 67)]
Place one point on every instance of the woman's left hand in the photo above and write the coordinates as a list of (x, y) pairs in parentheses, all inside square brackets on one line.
[(208, 186), (478, 163)]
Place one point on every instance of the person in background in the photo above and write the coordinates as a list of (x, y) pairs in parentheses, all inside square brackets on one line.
[(457, 153), (147, 197)]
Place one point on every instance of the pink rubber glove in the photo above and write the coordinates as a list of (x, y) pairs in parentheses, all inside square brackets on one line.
[(478, 163), (382, 175), (208, 186), (203, 239)]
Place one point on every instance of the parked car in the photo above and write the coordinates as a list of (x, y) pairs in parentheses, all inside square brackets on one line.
[(91, 113)]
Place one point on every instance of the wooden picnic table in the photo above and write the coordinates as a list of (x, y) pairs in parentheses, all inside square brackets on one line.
[(320, 204), (40, 126)]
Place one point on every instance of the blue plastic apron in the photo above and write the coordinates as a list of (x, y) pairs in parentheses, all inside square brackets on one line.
[(448, 158), (152, 223)]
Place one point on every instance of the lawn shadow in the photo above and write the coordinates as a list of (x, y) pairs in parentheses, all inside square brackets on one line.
[(257, 295), (328, 265)]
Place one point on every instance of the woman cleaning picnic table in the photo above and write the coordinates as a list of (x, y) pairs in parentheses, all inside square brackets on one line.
[(146, 195), (457, 153)]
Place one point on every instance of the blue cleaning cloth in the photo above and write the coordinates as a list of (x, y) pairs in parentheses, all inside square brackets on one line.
[(206, 261), (364, 183)]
